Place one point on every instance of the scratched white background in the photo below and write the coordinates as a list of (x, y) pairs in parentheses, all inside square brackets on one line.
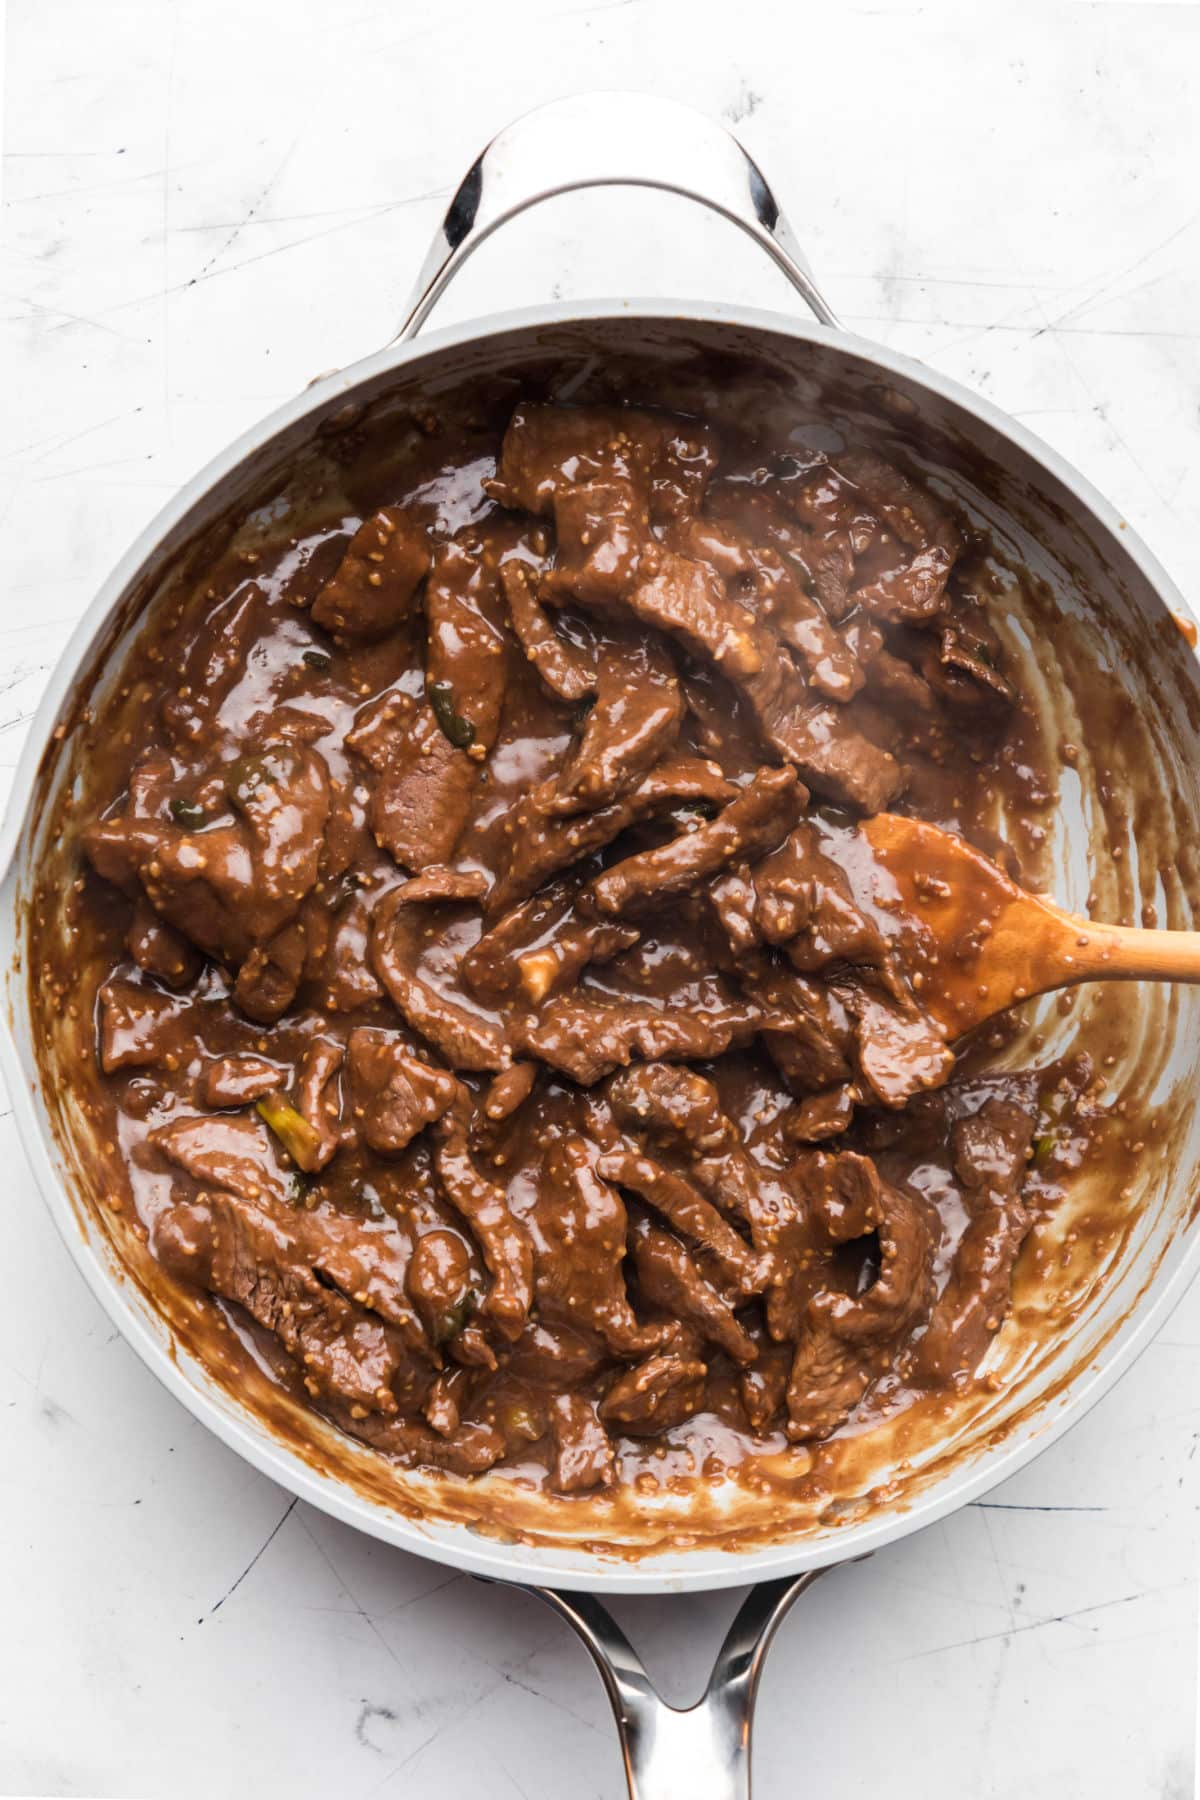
[(206, 203)]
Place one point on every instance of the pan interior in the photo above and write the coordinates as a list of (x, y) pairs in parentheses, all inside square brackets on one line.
[(1110, 672)]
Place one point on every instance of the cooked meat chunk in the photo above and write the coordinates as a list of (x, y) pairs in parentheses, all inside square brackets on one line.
[(421, 800), (688, 601), (541, 842), (669, 1278), (587, 1036), (989, 1150), (243, 1251), (567, 673), (394, 1094), (239, 1080), (583, 1455), (139, 1027), (377, 579), (230, 1153), (439, 1281), (466, 1040), (914, 588), (502, 1238), (550, 450), (848, 1340), (229, 887), (578, 1228), (751, 823), (159, 949), (691, 1214), (632, 725), (655, 1396)]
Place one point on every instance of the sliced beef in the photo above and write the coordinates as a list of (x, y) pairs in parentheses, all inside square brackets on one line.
[(234, 1154), (849, 1340), (578, 1229), (631, 727), (583, 1455), (566, 671), (440, 1280), (588, 1036), (910, 587), (243, 1251), (394, 1094), (341, 971), (990, 1150), (268, 980), (748, 826), (763, 580), (239, 1080), (424, 787), (669, 1278), (376, 582), (688, 600), (140, 1028), (160, 950), (549, 450), (541, 842), (900, 1050), (229, 887), (655, 1396), (684, 1207), (502, 1238), (509, 1090), (463, 1038)]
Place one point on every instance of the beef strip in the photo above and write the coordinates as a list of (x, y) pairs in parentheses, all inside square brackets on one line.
[(634, 722), (578, 1229), (239, 1080), (670, 1278), (539, 842), (688, 601), (684, 1207), (377, 579), (848, 1340), (244, 1251), (139, 1026), (752, 822), (588, 1036), (567, 673), (583, 1455), (421, 798), (464, 1039), (655, 1396), (502, 1238), (394, 1094), (228, 887), (989, 1150)]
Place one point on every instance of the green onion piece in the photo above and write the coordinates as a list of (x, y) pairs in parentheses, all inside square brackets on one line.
[(243, 778), (317, 659), (299, 1187), (460, 731), (299, 1139), (453, 1320), (187, 813)]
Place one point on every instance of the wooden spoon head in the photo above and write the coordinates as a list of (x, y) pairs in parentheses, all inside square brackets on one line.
[(971, 941)]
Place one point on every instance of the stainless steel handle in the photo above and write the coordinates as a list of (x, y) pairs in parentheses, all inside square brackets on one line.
[(608, 140), (700, 1752)]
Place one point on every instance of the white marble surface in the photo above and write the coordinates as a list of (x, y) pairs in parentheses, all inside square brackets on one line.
[(207, 202)]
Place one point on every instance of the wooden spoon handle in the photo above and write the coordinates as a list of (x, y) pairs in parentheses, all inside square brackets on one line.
[(1125, 953)]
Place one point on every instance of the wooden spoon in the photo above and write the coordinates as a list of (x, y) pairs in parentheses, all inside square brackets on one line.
[(972, 942)]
